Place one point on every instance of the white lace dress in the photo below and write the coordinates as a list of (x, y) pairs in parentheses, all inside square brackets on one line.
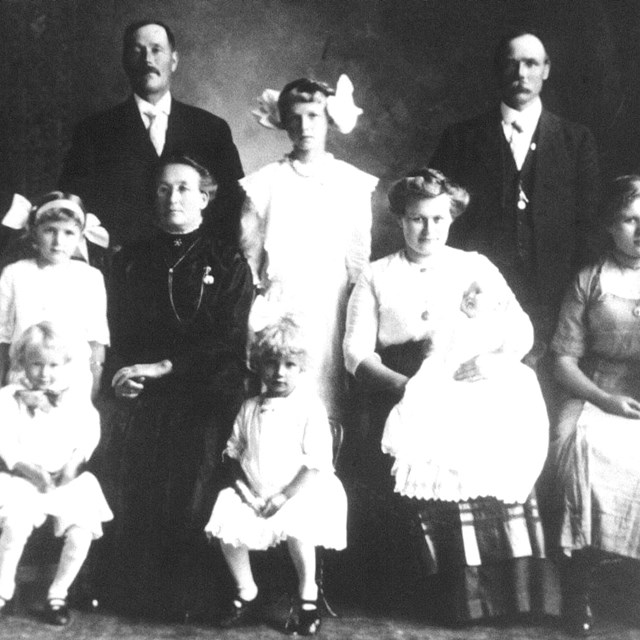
[(453, 440), (273, 438)]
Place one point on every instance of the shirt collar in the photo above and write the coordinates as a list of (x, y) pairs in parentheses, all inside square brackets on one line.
[(162, 106), (527, 118)]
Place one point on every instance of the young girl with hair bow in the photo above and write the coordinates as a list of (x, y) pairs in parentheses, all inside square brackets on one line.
[(50, 285)]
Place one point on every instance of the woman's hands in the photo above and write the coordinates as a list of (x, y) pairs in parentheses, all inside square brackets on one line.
[(480, 367), (128, 382), (569, 374), (40, 478), (621, 406)]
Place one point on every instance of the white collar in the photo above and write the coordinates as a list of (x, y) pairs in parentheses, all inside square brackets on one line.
[(527, 118), (162, 106)]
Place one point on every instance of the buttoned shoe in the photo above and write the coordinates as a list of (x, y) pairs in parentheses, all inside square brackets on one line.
[(240, 613), (57, 612), (306, 620)]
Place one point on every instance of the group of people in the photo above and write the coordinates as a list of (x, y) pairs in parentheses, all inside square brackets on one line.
[(241, 324)]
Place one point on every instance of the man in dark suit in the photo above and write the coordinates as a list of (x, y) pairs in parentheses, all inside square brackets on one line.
[(114, 154), (533, 179)]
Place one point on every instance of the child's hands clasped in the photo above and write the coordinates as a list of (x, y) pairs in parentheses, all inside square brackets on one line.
[(273, 505)]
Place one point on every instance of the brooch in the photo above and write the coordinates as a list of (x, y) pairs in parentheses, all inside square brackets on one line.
[(207, 278)]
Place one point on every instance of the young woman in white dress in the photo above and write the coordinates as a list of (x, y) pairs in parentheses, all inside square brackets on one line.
[(306, 225)]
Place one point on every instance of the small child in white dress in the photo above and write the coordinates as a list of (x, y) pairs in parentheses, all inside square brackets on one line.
[(286, 488), (455, 439), (51, 285), (48, 430)]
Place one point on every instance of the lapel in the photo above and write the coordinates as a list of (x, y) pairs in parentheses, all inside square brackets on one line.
[(490, 144), (176, 128), (548, 152)]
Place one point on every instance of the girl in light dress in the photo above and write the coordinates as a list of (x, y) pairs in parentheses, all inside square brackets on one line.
[(51, 285), (285, 487), (306, 224), (49, 429)]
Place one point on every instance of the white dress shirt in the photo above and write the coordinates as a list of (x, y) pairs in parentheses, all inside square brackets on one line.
[(155, 118), (525, 120)]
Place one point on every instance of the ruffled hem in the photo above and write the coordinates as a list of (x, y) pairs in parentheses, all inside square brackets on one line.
[(431, 481), (80, 503), (314, 516)]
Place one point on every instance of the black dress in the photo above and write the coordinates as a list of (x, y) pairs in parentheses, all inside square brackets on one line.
[(185, 299)]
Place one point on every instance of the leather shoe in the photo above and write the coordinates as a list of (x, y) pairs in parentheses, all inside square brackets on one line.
[(240, 613), (305, 622), (579, 619), (57, 612)]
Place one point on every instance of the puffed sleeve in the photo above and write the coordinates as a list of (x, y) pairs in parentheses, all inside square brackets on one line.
[(317, 445), (362, 323), (359, 247), (252, 237), (87, 432), (97, 327), (570, 337), (7, 306), (9, 441), (237, 443)]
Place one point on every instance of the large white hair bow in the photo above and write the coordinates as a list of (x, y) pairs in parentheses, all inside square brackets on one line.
[(341, 108), (17, 217)]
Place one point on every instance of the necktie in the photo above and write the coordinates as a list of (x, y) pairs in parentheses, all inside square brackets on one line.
[(515, 142), (156, 130)]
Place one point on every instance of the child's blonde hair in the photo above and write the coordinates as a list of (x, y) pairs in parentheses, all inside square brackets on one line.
[(44, 335), (281, 338)]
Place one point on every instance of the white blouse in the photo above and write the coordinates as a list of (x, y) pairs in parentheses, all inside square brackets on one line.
[(71, 294), (47, 438), (397, 301)]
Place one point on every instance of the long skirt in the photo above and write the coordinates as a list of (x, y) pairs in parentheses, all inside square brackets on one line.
[(160, 468), (596, 470), (450, 561)]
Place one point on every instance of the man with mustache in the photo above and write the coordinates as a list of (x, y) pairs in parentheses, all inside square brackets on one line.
[(533, 179), (113, 155)]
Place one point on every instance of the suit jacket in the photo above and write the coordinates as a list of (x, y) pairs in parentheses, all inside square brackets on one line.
[(111, 165), (563, 201)]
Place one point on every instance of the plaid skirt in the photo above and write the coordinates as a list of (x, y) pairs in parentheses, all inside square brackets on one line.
[(449, 561)]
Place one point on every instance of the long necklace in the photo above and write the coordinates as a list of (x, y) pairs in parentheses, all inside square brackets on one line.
[(170, 283)]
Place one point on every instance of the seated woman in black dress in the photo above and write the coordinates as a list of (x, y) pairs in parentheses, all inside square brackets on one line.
[(179, 303)]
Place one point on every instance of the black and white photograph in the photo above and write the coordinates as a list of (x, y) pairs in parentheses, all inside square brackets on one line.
[(320, 318)]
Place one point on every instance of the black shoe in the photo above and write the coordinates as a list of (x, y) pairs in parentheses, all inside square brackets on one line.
[(304, 622), (57, 612), (579, 619), (240, 612)]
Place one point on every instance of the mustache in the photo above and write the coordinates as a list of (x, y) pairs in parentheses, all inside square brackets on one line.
[(144, 69)]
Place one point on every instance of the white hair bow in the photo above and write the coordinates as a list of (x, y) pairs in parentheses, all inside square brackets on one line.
[(17, 218), (341, 108)]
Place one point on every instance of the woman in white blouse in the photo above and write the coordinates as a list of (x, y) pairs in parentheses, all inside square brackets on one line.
[(435, 335)]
